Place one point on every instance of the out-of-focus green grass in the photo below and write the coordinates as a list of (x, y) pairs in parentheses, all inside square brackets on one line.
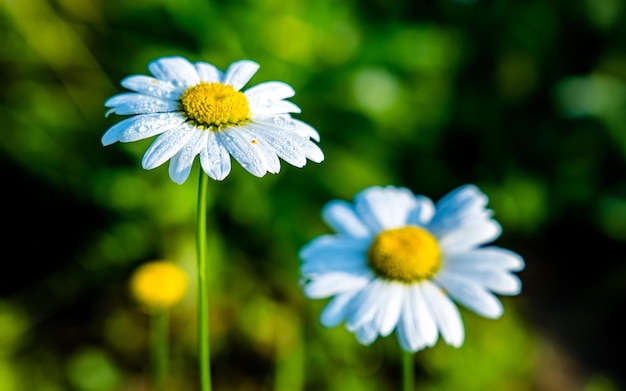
[(524, 98)]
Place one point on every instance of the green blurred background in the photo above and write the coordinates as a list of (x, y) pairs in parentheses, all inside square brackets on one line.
[(526, 99)]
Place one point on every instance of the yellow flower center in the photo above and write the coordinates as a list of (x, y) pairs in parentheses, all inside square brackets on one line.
[(214, 105), (406, 254), (158, 284)]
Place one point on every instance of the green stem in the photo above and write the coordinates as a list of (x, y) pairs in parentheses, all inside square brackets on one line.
[(408, 373), (159, 331), (203, 307)]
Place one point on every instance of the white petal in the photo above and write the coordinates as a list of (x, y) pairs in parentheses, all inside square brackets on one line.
[(214, 158), (166, 145), (445, 313), (417, 328), (471, 295), (150, 86), (422, 212), (496, 280), (341, 217), (177, 70), (182, 162), (366, 305), (335, 311), (305, 130), (271, 90), (287, 146), (491, 257), (333, 283), (273, 108), (290, 146), (332, 247), (285, 122), (346, 263), (134, 103), (462, 206), (469, 235), (265, 149), (208, 72), (366, 334), (392, 299), (243, 150), (140, 127), (239, 73), (382, 208), (425, 322)]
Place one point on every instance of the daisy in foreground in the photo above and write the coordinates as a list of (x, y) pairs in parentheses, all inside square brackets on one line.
[(398, 260), (199, 110)]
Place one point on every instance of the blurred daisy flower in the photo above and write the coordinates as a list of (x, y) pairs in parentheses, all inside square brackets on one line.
[(158, 284), (199, 110), (398, 261)]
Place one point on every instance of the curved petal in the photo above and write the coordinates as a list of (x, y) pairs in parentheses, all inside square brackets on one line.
[(268, 108), (239, 73), (141, 127), (214, 158), (208, 72), (422, 212), (177, 70), (150, 86), (445, 313), (286, 123), (166, 145), (333, 283), (242, 149), (491, 257), (134, 103), (341, 217), (350, 262), (497, 280), (460, 206), (471, 295), (469, 235), (287, 146), (290, 146), (366, 305), (182, 162), (366, 334), (392, 299), (382, 208), (305, 130), (325, 245), (336, 310), (330, 253), (269, 91), (265, 149), (417, 328)]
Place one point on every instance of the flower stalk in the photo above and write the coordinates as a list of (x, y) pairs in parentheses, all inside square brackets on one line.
[(203, 308), (408, 374)]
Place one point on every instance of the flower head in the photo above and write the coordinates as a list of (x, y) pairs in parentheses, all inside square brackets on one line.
[(196, 109), (398, 260), (158, 284)]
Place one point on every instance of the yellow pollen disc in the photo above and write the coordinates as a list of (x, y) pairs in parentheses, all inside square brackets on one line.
[(214, 105), (406, 254)]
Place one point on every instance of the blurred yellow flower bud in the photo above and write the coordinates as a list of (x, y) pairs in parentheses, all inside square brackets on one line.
[(158, 284)]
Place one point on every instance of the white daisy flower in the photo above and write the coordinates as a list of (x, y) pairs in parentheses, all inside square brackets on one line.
[(199, 110), (398, 260)]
